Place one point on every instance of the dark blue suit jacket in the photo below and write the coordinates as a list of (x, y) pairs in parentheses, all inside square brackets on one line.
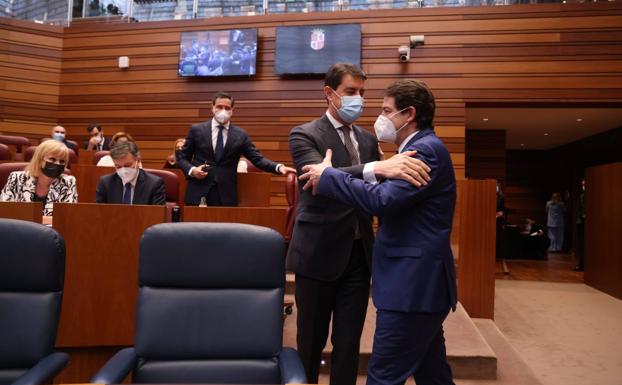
[(413, 266), (149, 189), (222, 175)]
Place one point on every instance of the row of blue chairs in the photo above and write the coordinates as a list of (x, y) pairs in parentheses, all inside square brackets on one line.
[(209, 307)]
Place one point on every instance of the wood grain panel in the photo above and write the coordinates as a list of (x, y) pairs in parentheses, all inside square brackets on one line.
[(603, 226), (476, 265), (485, 154)]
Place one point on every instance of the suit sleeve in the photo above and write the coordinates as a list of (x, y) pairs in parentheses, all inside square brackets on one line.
[(384, 198), (100, 192), (187, 152), (159, 193), (252, 153), (304, 152)]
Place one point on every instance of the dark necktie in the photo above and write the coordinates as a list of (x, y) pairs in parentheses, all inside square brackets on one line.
[(347, 141), (127, 194), (219, 144)]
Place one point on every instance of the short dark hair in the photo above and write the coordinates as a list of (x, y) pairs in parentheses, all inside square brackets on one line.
[(91, 126), (414, 93), (337, 71), (122, 148), (222, 95)]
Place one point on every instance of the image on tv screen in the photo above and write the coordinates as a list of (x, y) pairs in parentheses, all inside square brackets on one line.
[(218, 53), (312, 49)]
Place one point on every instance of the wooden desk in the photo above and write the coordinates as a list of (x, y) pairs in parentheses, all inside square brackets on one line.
[(253, 188), (272, 217), (101, 271), (85, 157), (87, 177), (26, 211)]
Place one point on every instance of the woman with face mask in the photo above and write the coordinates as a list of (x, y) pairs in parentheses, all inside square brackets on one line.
[(43, 180)]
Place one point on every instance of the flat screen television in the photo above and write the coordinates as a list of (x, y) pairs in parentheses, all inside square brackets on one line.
[(218, 53), (312, 49)]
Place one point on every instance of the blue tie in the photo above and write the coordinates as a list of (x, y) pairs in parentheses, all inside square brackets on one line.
[(127, 194), (219, 144)]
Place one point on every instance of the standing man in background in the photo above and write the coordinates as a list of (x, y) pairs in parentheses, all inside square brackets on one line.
[(414, 280), (330, 249), (211, 153)]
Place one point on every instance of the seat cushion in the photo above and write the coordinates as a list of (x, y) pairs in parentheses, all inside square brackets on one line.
[(209, 372)]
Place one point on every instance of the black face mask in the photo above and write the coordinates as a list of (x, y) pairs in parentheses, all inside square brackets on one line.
[(53, 170)]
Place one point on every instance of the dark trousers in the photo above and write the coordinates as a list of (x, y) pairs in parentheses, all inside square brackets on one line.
[(346, 300), (213, 197), (581, 245), (409, 344)]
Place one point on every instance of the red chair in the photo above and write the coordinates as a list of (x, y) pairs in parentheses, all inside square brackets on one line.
[(250, 167), (171, 184), (5, 154), (30, 151), (16, 141), (292, 195), (7, 168), (98, 155)]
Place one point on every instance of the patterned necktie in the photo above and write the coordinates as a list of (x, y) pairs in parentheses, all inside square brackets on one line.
[(347, 141), (127, 194), (219, 144)]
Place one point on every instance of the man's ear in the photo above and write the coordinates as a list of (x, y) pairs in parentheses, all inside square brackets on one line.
[(412, 114)]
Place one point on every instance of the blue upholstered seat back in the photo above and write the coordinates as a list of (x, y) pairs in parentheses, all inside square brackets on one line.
[(210, 304), (32, 268)]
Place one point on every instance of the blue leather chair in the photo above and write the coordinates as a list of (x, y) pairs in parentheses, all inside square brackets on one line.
[(32, 273), (209, 308)]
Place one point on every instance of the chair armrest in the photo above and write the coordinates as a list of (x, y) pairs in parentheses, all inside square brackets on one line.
[(117, 368), (44, 370), (292, 371)]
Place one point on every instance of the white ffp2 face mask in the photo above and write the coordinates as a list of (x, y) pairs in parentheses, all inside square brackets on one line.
[(222, 116), (127, 174), (385, 129)]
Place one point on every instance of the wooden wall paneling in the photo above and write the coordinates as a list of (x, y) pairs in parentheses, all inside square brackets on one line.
[(603, 226), (485, 154), (30, 70), (476, 263)]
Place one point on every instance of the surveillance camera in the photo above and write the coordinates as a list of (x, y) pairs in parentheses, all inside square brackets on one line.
[(404, 53), (416, 40)]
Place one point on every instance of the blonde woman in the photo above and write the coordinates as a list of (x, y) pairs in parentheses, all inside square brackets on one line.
[(106, 161), (43, 179)]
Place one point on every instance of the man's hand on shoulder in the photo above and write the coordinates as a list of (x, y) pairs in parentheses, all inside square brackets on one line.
[(313, 172), (404, 166)]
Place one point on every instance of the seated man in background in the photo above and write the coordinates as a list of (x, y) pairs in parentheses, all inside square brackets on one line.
[(59, 133), (535, 241), (43, 179), (97, 141), (129, 184)]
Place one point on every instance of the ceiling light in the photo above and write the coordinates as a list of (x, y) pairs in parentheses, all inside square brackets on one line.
[(485, 119), (579, 119), (522, 144), (546, 134)]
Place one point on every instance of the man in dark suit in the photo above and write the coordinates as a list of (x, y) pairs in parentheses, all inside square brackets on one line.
[(413, 275), (211, 153), (129, 184), (59, 133), (330, 249), (97, 142)]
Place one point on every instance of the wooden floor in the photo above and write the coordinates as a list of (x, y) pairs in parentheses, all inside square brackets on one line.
[(558, 268)]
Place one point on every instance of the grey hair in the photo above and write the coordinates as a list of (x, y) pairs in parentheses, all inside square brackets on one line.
[(122, 148)]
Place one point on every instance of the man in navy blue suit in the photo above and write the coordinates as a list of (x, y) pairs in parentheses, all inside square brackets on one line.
[(211, 153), (414, 281)]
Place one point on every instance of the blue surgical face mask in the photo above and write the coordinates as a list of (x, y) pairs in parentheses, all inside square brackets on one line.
[(58, 136), (351, 107)]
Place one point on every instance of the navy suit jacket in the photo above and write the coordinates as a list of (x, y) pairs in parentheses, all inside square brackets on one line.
[(222, 175), (105, 146), (149, 189), (413, 266)]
